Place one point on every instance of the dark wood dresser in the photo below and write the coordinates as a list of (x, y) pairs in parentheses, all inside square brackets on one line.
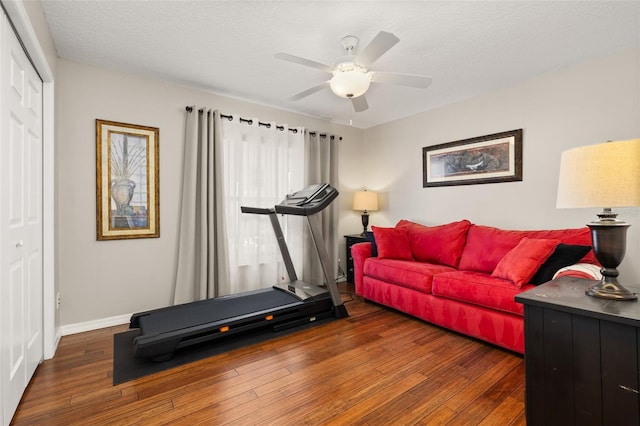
[(582, 356)]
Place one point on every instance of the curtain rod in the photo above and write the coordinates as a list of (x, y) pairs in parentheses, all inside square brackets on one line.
[(260, 123)]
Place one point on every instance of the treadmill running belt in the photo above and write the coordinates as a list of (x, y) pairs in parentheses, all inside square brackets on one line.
[(212, 310)]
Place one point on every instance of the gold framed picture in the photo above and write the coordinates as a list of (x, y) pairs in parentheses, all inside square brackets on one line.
[(127, 181)]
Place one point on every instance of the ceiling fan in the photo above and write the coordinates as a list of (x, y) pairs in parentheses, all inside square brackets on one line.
[(351, 75)]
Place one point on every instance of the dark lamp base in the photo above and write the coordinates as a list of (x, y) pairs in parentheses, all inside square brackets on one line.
[(365, 223), (609, 238), (612, 291)]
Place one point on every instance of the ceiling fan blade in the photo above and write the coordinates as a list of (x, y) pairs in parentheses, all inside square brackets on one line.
[(382, 42), (302, 61), (309, 91), (360, 103), (411, 80)]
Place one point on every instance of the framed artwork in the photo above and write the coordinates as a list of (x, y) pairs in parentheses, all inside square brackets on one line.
[(485, 159), (127, 171)]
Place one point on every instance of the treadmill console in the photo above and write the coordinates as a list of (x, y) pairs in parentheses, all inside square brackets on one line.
[(308, 201)]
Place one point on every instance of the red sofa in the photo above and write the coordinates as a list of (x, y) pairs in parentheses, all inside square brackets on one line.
[(464, 276)]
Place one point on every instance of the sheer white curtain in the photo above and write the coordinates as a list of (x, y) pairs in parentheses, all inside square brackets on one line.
[(321, 166), (261, 165), (202, 265)]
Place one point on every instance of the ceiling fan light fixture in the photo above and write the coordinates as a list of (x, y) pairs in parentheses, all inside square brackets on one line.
[(351, 77), (350, 81)]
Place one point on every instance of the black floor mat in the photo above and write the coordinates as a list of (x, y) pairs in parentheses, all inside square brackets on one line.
[(127, 367)]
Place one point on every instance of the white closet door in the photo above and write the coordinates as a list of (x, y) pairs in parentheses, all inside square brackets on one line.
[(21, 342)]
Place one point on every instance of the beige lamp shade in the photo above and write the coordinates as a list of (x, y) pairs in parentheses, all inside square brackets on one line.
[(365, 201), (604, 175)]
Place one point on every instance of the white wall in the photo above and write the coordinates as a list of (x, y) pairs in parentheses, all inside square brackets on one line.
[(102, 279), (586, 104)]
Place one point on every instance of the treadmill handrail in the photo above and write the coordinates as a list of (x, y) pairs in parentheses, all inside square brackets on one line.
[(256, 210)]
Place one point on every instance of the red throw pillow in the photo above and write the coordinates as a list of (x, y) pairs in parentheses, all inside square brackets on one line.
[(392, 243), (442, 244), (522, 262), (486, 246)]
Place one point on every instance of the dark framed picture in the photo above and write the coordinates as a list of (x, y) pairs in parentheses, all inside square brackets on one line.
[(485, 159), (127, 187)]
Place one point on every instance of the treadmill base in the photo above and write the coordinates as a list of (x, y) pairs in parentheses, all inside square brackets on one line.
[(165, 330)]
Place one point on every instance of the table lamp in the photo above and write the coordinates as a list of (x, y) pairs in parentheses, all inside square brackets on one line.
[(604, 175), (366, 201)]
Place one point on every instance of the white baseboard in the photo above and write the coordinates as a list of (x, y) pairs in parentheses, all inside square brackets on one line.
[(81, 327)]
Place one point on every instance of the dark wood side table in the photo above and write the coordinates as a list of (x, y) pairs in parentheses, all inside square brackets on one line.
[(582, 356), (351, 240)]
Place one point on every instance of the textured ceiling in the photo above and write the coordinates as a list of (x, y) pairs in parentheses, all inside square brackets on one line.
[(227, 47)]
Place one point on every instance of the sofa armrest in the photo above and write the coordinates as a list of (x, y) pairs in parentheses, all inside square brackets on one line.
[(359, 253), (580, 270)]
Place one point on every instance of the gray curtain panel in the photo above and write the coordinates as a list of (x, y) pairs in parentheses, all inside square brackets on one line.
[(321, 166), (202, 249)]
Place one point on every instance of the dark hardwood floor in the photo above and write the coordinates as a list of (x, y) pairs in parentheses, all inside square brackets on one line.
[(376, 367)]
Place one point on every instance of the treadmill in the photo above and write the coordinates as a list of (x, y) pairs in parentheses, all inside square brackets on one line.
[(283, 306)]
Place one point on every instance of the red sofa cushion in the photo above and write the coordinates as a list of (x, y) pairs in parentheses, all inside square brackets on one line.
[(411, 274), (486, 245), (479, 289), (441, 244), (522, 262), (500, 328), (392, 243)]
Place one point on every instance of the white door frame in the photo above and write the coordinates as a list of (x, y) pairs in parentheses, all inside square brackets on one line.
[(20, 20)]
